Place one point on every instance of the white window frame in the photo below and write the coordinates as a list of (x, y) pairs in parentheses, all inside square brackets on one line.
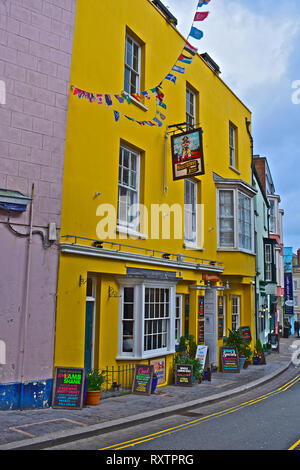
[(134, 225), (139, 319), (232, 145), (178, 317), (268, 262), (130, 68), (242, 195), (235, 312), (190, 214), (190, 107), (236, 245)]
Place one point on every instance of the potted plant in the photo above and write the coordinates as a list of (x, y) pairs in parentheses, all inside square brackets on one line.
[(248, 356), (95, 380), (258, 349)]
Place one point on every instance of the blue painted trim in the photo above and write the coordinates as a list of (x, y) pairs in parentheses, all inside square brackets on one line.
[(37, 394)]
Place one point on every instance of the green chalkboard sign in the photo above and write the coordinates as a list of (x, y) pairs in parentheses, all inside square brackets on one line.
[(142, 380), (68, 388)]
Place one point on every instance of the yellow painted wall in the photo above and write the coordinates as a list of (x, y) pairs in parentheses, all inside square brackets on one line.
[(92, 158)]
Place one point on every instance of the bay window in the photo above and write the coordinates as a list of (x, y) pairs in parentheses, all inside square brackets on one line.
[(147, 319), (235, 220)]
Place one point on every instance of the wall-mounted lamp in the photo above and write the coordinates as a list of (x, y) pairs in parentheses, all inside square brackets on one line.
[(112, 293), (98, 244), (166, 255), (226, 287), (82, 281)]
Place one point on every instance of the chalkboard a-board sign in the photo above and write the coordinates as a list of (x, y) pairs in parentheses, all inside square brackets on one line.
[(68, 388), (230, 359), (246, 332), (142, 380), (184, 375)]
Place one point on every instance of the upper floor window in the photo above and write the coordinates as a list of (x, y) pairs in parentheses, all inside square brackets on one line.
[(190, 212), (268, 262), (129, 178), (190, 107), (132, 80), (235, 220), (272, 216), (232, 146)]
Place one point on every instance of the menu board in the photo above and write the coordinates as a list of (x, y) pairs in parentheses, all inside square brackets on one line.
[(229, 359), (220, 317), (142, 380), (202, 355), (159, 366), (184, 375), (200, 319), (246, 332), (68, 388)]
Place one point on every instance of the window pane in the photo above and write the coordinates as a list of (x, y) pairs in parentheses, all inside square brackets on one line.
[(226, 218)]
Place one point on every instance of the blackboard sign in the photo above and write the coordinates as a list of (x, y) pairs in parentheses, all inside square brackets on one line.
[(142, 380), (229, 359), (246, 332), (184, 375), (274, 341), (68, 388)]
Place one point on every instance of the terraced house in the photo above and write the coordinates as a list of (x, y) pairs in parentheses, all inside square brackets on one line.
[(148, 256)]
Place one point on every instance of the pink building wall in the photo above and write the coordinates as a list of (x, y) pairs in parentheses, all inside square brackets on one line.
[(36, 38)]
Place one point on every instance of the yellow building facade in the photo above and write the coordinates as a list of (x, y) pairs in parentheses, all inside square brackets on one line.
[(130, 287)]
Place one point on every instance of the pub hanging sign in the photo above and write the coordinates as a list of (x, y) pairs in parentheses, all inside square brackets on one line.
[(187, 154)]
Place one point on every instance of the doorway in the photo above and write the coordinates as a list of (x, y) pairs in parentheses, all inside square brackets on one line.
[(90, 324), (210, 326)]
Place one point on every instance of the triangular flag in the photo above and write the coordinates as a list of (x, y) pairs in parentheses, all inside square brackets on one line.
[(120, 98), (117, 116)]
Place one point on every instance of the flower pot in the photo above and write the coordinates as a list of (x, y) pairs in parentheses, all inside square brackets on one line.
[(242, 361), (247, 363), (93, 397), (256, 361)]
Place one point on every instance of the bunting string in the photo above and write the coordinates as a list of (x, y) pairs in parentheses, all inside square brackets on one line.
[(156, 92)]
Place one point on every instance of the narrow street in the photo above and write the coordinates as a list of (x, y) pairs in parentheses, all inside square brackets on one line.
[(266, 418)]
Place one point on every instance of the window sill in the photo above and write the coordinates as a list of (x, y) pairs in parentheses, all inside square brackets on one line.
[(138, 103), (145, 357), (132, 233), (234, 169), (235, 250), (192, 246)]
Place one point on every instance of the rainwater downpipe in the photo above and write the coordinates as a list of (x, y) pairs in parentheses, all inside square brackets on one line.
[(248, 124), (26, 300)]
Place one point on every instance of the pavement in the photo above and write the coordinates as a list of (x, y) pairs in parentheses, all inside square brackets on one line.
[(42, 428)]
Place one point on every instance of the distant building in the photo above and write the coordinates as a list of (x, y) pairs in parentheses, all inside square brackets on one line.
[(296, 285), (276, 234)]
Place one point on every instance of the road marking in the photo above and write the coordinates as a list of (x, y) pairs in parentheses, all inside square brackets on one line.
[(156, 435), (295, 445)]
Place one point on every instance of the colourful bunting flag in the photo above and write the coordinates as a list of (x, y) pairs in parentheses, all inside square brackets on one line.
[(108, 100), (127, 97), (120, 98), (178, 69), (201, 16), (171, 77), (191, 49), (196, 33), (146, 94), (203, 2), (75, 91), (100, 99), (185, 59), (163, 105), (117, 116)]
